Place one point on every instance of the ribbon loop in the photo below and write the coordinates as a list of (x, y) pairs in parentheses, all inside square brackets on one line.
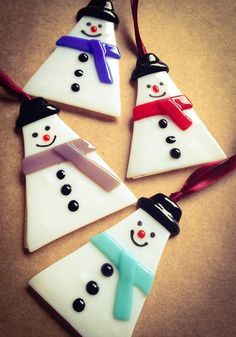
[(205, 176), (139, 43), (12, 88)]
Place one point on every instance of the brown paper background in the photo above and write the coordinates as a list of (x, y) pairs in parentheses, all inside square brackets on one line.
[(194, 290)]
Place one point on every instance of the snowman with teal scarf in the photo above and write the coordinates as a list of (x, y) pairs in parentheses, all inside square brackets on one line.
[(100, 289)]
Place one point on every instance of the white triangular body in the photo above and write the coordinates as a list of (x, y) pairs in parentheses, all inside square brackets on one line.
[(48, 216), (63, 282), (150, 153), (54, 78)]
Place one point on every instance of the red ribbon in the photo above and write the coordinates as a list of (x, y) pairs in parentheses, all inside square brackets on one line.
[(13, 89), (139, 43), (205, 176)]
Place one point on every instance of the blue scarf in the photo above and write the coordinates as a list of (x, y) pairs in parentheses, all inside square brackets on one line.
[(132, 274), (100, 51)]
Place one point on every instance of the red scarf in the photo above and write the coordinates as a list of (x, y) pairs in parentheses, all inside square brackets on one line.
[(171, 106)]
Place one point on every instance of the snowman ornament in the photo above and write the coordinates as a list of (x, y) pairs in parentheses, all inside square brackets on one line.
[(83, 70), (165, 125), (108, 279), (67, 184)]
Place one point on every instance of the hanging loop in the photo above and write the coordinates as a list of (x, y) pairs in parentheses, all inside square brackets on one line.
[(12, 88), (205, 176)]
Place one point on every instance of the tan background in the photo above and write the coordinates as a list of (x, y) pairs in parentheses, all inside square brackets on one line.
[(194, 292)]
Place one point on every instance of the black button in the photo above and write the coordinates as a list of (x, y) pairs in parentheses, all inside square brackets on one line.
[(163, 123), (175, 153), (170, 139), (61, 174), (78, 304), (92, 287), (75, 87), (107, 269), (66, 189), (73, 205), (83, 57), (79, 73)]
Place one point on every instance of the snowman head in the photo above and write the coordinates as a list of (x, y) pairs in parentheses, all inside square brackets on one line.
[(41, 126), (145, 232), (157, 86), (94, 28), (154, 83), (96, 21)]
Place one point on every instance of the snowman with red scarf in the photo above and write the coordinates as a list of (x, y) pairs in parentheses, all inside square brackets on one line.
[(83, 70), (167, 132)]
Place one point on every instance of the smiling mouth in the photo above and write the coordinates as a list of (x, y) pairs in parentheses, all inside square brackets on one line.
[(136, 243), (158, 95), (47, 144), (96, 35)]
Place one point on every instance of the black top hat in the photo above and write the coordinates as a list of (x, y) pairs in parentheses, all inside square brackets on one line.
[(33, 110), (164, 210), (100, 9), (148, 64)]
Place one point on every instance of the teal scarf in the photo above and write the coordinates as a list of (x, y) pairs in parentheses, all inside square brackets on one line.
[(132, 274)]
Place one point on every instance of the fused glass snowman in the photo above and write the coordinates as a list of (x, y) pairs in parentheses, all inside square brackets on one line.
[(67, 184), (100, 289), (83, 70), (167, 133)]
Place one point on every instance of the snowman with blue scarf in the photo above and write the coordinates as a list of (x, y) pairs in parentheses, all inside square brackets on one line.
[(83, 70), (100, 289)]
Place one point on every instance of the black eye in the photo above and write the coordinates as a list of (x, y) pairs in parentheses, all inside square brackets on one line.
[(88, 23), (161, 83), (99, 26), (139, 223), (148, 85), (152, 234), (47, 128), (35, 134)]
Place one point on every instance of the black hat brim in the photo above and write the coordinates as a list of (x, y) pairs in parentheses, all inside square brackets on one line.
[(159, 213), (99, 13), (33, 110), (169, 205), (144, 70)]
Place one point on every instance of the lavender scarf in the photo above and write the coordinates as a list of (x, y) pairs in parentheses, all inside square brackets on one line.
[(74, 152)]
